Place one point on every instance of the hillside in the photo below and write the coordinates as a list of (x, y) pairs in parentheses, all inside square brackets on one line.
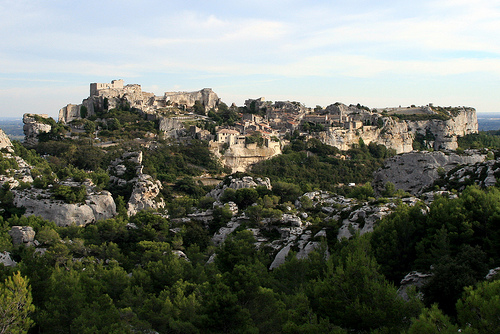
[(144, 214)]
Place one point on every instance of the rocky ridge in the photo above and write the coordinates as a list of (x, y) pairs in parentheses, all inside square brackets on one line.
[(293, 230), (400, 134), (5, 141)]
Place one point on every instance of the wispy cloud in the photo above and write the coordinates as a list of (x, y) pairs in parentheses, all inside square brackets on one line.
[(286, 38)]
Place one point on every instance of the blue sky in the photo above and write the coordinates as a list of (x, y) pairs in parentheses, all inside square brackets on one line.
[(377, 53)]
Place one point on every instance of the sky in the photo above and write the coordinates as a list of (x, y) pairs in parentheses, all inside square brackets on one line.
[(381, 53)]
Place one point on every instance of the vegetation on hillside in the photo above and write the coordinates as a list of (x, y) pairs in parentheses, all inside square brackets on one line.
[(125, 274), (313, 165)]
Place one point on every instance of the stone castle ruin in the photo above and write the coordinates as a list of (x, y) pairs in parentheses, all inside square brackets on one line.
[(106, 96)]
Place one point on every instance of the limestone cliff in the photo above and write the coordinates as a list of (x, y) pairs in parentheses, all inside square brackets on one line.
[(34, 124), (5, 141), (206, 96), (240, 157), (400, 133)]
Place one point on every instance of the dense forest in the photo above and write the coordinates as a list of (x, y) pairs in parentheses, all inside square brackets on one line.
[(125, 275)]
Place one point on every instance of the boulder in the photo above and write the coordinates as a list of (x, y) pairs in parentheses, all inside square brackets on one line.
[(415, 171), (239, 183), (97, 206), (6, 260), (22, 235), (416, 279)]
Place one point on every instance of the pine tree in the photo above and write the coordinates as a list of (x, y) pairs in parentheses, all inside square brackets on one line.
[(15, 305)]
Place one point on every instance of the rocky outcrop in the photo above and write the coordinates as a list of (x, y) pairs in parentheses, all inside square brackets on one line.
[(239, 158), (206, 96), (34, 124), (22, 173), (6, 260), (437, 133), (492, 273), (414, 279), (483, 174), (171, 127), (69, 113), (239, 183), (415, 171), (22, 235), (38, 202), (145, 195), (127, 170), (5, 141)]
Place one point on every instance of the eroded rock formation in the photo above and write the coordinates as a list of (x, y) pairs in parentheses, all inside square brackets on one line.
[(127, 170), (400, 134), (33, 126), (22, 235)]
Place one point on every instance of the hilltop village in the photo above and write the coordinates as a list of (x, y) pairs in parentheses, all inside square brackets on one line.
[(260, 129), (137, 213)]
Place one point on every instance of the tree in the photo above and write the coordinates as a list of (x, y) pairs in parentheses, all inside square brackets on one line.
[(355, 296), (15, 305), (432, 321), (89, 127), (199, 108), (480, 306), (452, 274), (83, 111)]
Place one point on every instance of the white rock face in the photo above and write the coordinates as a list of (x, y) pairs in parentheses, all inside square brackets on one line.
[(37, 202), (240, 157), (32, 128), (399, 135), (413, 172), (5, 141), (206, 96), (171, 127), (69, 113), (145, 195)]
